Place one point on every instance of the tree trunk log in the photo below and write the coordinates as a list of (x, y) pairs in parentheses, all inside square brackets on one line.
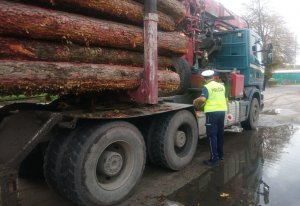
[(127, 11), (173, 8), (34, 22), (19, 77), (17, 49)]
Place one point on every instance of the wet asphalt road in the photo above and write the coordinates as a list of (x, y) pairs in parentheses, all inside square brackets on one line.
[(260, 167)]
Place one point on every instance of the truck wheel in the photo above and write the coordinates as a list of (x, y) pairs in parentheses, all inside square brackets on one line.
[(252, 120), (182, 68), (103, 164), (173, 140), (146, 130), (53, 159)]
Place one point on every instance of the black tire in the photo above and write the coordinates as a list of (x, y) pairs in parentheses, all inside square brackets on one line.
[(146, 129), (182, 68), (165, 146), (103, 164), (252, 120), (54, 157)]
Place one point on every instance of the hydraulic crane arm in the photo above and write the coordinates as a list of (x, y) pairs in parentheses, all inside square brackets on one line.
[(203, 18)]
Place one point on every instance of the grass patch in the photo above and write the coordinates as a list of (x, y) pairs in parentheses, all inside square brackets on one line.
[(41, 98)]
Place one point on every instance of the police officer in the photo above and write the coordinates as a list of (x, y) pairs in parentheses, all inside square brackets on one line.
[(215, 105)]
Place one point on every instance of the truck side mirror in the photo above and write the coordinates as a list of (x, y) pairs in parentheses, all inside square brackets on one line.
[(270, 47), (254, 50)]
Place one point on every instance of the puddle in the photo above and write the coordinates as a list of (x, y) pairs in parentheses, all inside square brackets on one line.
[(263, 170)]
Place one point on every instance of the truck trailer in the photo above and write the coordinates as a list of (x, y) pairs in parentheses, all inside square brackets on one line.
[(95, 142)]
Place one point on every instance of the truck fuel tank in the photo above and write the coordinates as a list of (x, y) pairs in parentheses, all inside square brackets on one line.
[(237, 87)]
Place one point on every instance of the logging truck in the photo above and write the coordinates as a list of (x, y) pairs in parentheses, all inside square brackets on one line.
[(106, 117)]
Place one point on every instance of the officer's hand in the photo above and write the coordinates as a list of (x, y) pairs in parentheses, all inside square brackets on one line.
[(197, 103)]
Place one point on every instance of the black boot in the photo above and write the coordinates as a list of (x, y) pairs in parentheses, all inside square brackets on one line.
[(211, 162)]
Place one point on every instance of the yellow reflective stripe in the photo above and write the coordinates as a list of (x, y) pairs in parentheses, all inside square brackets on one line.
[(214, 108)]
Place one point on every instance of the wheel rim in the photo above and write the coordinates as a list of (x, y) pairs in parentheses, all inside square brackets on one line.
[(182, 140), (114, 165), (255, 113), (110, 163)]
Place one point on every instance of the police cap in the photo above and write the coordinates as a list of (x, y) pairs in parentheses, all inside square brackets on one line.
[(208, 73)]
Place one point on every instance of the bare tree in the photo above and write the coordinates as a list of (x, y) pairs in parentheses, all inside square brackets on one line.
[(272, 29)]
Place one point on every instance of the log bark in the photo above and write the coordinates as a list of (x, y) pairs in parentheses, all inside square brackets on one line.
[(173, 8), (127, 11), (34, 22), (24, 49), (25, 77)]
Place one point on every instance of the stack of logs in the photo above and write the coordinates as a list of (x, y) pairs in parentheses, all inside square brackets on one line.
[(75, 46)]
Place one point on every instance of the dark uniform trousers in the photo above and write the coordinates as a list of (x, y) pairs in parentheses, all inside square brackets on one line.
[(215, 133)]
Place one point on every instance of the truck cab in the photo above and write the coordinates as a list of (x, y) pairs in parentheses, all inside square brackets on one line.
[(241, 50), (236, 56)]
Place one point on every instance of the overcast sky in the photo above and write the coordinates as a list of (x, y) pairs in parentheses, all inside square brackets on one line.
[(288, 9)]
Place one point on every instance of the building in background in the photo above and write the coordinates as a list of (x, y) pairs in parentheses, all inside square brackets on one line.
[(283, 77)]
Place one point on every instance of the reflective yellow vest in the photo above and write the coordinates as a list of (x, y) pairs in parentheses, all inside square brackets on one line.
[(216, 97)]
